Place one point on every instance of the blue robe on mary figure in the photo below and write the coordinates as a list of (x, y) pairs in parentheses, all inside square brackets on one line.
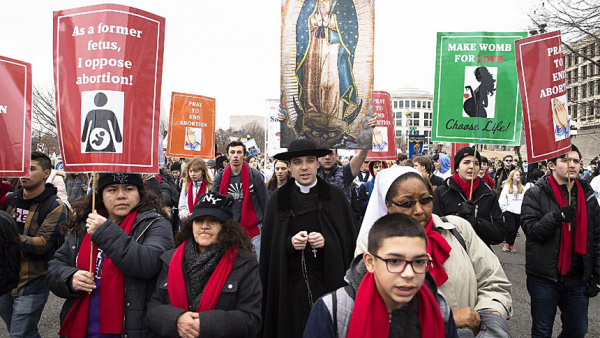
[(326, 38)]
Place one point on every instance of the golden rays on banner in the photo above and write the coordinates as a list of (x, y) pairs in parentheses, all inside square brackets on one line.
[(327, 72)]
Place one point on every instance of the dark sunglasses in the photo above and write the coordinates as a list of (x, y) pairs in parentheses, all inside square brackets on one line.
[(508, 160), (410, 204)]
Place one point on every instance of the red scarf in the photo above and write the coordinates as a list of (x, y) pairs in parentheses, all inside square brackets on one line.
[(248, 219), (566, 243), (439, 250), (112, 292), (466, 186), (370, 317), (212, 290), (488, 180), (190, 193)]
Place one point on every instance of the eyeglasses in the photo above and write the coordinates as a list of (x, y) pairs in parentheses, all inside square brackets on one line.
[(507, 160), (398, 265), (410, 204)]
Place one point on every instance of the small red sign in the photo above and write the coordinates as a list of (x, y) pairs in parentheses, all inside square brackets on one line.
[(384, 137)]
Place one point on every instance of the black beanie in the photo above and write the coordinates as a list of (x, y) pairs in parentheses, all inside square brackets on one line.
[(176, 166), (106, 179), (466, 151)]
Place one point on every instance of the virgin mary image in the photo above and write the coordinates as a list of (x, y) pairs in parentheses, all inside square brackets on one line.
[(327, 95)]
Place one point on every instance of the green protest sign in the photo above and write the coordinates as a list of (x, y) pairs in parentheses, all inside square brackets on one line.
[(476, 97)]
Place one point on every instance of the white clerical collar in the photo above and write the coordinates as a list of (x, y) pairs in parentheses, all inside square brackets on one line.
[(305, 189)]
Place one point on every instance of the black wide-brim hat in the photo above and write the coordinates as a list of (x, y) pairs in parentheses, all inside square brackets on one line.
[(302, 147)]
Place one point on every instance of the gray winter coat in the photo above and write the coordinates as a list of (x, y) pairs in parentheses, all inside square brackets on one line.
[(137, 256), (237, 313)]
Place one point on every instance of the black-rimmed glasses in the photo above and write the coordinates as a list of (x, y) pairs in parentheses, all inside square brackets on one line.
[(410, 204), (398, 265)]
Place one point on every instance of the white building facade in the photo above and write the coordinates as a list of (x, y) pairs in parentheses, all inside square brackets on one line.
[(412, 111)]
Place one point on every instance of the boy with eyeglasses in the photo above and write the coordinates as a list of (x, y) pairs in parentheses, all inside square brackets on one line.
[(385, 296)]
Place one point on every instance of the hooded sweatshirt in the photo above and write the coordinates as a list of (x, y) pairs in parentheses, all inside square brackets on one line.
[(38, 238)]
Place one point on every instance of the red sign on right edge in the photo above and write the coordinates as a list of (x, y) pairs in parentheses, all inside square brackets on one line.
[(541, 70)]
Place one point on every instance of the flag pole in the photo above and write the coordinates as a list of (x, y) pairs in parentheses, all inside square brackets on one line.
[(94, 188), (474, 173), (569, 184)]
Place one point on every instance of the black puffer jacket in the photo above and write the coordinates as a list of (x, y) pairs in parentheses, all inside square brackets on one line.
[(543, 231), (137, 256), (490, 223), (237, 313)]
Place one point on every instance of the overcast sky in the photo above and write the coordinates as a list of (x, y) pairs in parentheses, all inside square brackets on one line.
[(229, 50)]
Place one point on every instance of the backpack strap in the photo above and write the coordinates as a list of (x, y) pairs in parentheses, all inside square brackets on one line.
[(456, 234), (44, 209), (10, 206), (334, 314)]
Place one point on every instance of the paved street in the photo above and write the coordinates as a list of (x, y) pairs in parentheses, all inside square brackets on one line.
[(514, 266)]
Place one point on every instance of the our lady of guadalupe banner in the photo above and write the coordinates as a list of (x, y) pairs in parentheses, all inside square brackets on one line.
[(541, 69), (108, 70), (191, 126), (476, 97), (415, 145), (384, 137), (15, 117), (327, 72)]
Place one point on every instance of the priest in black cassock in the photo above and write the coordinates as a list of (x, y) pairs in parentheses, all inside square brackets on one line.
[(308, 240)]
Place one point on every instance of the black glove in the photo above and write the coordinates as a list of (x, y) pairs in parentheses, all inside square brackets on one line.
[(566, 214), (593, 287), (466, 210)]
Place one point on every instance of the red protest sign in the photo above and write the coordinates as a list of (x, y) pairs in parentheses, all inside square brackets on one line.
[(384, 137), (15, 117), (540, 66), (455, 148), (108, 70)]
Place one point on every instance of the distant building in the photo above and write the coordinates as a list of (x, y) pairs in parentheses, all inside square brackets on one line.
[(237, 121), (413, 109), (583, 93)]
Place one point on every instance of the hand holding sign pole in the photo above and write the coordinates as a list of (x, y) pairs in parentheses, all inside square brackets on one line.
[(94, 192)]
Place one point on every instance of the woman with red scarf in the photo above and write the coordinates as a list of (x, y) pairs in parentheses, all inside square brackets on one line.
[(196, 181), (465, 270), (465, 195), (209, 285), (121, 245)]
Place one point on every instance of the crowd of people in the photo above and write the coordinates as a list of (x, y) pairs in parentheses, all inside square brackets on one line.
[(303, 244)]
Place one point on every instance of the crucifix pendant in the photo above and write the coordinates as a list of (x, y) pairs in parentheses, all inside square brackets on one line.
[(314, 251)]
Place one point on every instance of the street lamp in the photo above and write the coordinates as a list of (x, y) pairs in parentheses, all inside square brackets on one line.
[(407, 112)]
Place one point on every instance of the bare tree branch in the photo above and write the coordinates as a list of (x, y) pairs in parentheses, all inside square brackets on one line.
[(43, 110)]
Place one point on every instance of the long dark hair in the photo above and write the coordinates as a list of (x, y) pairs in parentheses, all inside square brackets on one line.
[(273, 180), (231, 234), (83, 206)]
